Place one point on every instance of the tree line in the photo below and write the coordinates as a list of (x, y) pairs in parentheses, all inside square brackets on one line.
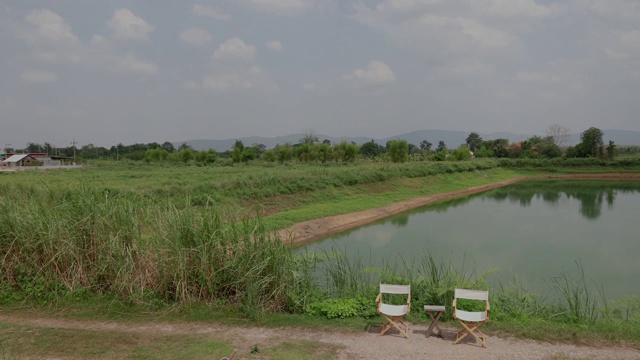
[(310, 149)]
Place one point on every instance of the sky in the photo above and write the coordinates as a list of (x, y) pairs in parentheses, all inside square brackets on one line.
[(140, 71)]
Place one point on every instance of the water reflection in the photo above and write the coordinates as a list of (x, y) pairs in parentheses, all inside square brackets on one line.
[(592, 195), (533, 229)]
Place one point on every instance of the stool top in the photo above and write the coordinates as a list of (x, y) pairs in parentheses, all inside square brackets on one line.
[(434, 308)]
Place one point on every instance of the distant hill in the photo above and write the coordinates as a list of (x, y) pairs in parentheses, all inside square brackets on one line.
[(452, 139)]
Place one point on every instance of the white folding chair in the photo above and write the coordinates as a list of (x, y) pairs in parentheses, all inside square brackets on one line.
[(471, 320), (394, 313)]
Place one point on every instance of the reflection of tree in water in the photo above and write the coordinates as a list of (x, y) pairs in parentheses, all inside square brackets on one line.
[(591, 194), (400, 220)]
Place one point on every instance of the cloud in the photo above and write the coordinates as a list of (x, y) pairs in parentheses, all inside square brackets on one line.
[(234, 49), (210, 12), (39, 76), (280, 7), (254, 78), (515, 8), (50, 26), (126, 25), (131, 63), (275, 46), (436, 32), (376, 73), (309, 86), (195, 37)]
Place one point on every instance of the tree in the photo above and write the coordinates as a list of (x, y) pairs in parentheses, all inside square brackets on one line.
[(168, 147), (425, 145), (611, 150), (309, 137), (590, 143), (558, 133), (371, 149), (473, 141), (399, 151), (461, 153), (284, 152), (184, 146), (345, 151), (324, 152), (238, 148), (441, 146)]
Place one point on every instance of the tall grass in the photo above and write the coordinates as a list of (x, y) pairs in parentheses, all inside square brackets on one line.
[(56, 241)]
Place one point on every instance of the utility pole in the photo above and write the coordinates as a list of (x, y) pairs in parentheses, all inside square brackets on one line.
[(73, 143)]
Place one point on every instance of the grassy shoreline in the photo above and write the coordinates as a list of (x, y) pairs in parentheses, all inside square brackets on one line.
[(158, 240)]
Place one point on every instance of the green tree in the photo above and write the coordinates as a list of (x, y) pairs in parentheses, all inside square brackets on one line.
[(371, 149), (238, 148), (399, 151), (168, 147), (157, 154), (483, 152), (425, 145), (441, 146), (611, 150), (324, 152), (345, 151), (473, 141), (185, 155), (461, 153), (284, 152), (590, 143)]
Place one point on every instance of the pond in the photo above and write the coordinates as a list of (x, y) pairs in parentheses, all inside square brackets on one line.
[(532, 231)]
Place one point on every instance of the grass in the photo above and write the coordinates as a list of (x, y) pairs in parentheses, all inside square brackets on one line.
[(137, 241)]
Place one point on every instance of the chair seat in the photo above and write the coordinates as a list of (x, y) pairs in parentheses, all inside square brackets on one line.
[(393, 310), (470, 316)]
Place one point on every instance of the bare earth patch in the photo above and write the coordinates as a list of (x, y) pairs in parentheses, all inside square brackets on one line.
[(350, 345)]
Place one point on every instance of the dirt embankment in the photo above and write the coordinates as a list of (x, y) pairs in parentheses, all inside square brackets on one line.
[(311, 230)]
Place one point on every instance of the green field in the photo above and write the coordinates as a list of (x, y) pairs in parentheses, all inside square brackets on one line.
[(170, 236)]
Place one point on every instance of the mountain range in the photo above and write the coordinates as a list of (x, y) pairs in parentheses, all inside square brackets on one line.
[(452, 139)]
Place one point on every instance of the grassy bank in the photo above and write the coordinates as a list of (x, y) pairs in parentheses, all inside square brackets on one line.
[(170, 237)]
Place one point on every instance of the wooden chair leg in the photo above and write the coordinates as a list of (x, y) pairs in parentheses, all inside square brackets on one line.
[(393, 321), (471, 331)]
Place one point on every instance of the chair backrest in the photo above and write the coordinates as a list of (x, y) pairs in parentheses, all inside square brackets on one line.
[(395, 289), (472, 294)]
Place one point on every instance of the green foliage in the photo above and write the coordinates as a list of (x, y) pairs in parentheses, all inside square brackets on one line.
[(345, 152), (590, 143), (398, 151), (461, 153), (371, 149), (238, 148), (483, 152), (343, 308), (473, 141), (440, 155)]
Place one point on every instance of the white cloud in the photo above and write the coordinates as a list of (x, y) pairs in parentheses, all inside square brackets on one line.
[(131, 63), (280, 7), (376, 73), (234, 49), (436, 32), (309, 86), (210, 12), (630, 37), (254, 78), (404, 6), (50, 26), (39, 76), (515, 8), (275, 46), (467, 69), (126, 25), (615, 55), (195, 37)]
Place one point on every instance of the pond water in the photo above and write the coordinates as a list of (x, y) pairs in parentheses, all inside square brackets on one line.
[(533, 230)]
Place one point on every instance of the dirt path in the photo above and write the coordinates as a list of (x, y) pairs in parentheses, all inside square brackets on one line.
[(354, 345), (311, 230)]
